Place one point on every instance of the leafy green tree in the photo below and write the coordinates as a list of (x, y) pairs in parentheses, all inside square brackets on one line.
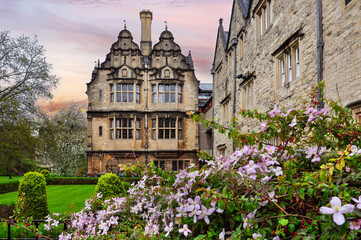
[(25, 77)]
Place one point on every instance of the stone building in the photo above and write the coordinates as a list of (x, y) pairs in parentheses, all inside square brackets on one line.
[(138, 99), (275, 51), (205, 108)]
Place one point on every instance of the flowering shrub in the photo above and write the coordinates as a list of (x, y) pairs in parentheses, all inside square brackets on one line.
[(298, 177)]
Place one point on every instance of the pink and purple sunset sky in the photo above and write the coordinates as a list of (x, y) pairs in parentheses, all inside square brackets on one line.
[(75, 33)]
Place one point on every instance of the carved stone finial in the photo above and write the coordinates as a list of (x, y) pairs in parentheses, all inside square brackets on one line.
[(166, 25), (220, 21), (125, 24)]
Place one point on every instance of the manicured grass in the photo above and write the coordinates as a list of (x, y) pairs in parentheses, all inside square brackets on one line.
[(5, 179), (61, 198)]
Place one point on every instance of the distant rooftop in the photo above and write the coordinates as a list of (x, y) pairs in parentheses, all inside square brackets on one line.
[(206, 87)]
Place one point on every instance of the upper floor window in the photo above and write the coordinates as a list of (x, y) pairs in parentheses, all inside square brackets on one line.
[(125, 92), (100, 95), (289, 66), (111, 93), (264, 16), (167, 93)]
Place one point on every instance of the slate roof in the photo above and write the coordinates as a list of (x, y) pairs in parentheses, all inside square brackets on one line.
[(206, 86), (245, 4)]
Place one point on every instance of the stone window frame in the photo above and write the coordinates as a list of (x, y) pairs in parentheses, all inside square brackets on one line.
[(111, 86), (159, 128), (240, 47), (289, 64), (264, 16), (128, 131), (247, 93), (226, 111), (180, 164), (221, 149), (345, 6), (159, 93), (356, 110)]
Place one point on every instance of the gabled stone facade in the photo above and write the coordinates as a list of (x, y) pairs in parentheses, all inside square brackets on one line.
[(138, 100), (275, 51)]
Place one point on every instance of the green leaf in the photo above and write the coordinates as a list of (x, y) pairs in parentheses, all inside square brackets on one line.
[(200, 237), (283, 222), (302, 193), (291, 227), (309, 192)]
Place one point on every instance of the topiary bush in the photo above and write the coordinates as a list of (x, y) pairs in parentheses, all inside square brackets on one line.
[(32, 197), (109, 185), (46, 173)]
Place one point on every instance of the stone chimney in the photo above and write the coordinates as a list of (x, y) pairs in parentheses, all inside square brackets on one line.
[(146, 17)]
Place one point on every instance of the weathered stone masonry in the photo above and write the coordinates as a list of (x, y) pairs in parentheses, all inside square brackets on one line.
[(267, 35), (138, 100)]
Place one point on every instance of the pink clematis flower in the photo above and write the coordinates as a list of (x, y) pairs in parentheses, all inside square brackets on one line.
[(358, 202), (222, 234), (337, 210), (294, 122), (274, 112), (355, 225), (185, 230)]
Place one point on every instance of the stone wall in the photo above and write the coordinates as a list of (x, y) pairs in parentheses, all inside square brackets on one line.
[(293, 24)]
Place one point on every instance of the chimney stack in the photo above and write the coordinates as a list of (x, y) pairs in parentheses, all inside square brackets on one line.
[(146, 17)]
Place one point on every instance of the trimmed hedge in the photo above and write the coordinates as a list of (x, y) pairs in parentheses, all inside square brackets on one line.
[(72, 181), (9, 187), (109, 185), (14, 186), (32, 197)]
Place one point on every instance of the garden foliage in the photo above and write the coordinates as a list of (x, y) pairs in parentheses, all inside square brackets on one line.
[(109, 185), (297, 177), (32, 197), (46, 173)]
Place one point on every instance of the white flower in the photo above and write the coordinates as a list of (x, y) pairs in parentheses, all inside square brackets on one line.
[(337, 210), (185, 230), (222, 234), (168, 229)]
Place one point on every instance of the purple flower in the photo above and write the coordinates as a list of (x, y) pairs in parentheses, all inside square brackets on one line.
[(337, 210), (278, 171), (193, 204), (168, 229), (294, 122), (274, 112), (222, 234), (358, 202), (355, 225), (257, 236), (204, 213), (310, 118), (185, 230)]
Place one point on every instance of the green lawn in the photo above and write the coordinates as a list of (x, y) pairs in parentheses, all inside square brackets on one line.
[(5, 179), (61, 198)]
